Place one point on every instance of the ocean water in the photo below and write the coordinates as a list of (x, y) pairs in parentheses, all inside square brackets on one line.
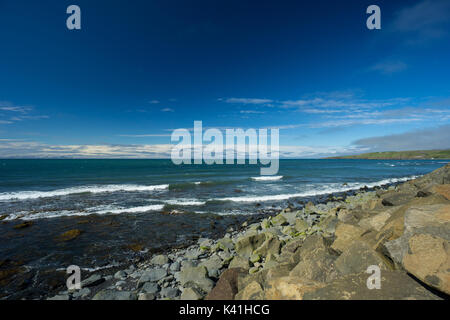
[(121, 205)]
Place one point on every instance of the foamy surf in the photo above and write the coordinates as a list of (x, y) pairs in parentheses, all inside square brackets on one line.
[(153, 207), (267, 178), (185, 202), (28, 195), (320, 190)]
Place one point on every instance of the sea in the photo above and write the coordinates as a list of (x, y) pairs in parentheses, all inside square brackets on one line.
[(129, 209)]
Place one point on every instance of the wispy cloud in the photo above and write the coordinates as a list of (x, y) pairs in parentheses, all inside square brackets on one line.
[(423, 21), (167, 110), (153, 101), (246, 100), (251, 112), (19, 149), (13, 113), (389, 67), (423, 139)]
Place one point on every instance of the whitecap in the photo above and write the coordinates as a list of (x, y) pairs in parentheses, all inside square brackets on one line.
[(267, 178), (319, 190), (26, 195)]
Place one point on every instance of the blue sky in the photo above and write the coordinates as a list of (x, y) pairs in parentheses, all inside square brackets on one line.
[(137, 70)]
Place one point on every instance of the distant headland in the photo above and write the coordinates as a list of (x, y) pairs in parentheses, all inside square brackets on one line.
[(400, 155)]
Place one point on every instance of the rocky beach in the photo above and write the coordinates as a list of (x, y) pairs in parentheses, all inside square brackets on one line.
[(319, 252)]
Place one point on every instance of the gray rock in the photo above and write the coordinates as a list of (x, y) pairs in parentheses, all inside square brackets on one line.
[(160, 260), (197, 276), (191, 294), (59, 297), (169, 292), (192, 254), (213, 264), (188, 264), (150, 287), (81, 293), (146, 296), (92, 281), (175, 266), (395, 285), (114, 295), (120, 275), (357, 258), (152, 275)]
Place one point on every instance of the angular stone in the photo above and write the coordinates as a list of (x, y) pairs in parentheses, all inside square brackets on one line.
[(92, 281), (159, 260), (301, 225), (315, 265), (197, 276), (150, 287), (357, 258), (152, 275), (377, 221), (146, 296), (169, 292), (247, 244), (227, 286), (114, 295), (271, 245), (239, 262), (395, 285), (289, 288), (213, 264), (433, 219), (253, 291), (429, 260), (191, 294), (279, 220), (345, 235), (120, 275)]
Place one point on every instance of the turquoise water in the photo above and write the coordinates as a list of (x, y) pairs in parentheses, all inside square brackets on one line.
[(37, 189), (154, 204)]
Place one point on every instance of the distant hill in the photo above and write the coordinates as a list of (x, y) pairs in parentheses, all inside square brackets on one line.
[(401, 155)]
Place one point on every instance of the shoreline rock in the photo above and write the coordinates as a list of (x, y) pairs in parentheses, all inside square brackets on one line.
[(320, 251)]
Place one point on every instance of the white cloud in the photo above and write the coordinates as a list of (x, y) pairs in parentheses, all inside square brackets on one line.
[(247, 100), (167, 110), (423, 21), (251, 112), (423, 139), (389, 67)]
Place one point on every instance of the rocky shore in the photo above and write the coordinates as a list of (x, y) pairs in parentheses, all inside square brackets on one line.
[(322, 251)]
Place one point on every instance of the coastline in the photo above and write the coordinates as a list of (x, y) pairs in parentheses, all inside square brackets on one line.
[(297, 254)]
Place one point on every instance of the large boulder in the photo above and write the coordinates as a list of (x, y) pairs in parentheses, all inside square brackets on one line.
[(428, 258), (213, 264), (196, 277), (395, 285), (443, 190), (240, 262), (289, 288), (377, 221), (253, 291), (152, 275), (345, 235), (247, 244), (227, 286), (159, 260), (315, 260), (433, 219), (358, 257), (271, 245)]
